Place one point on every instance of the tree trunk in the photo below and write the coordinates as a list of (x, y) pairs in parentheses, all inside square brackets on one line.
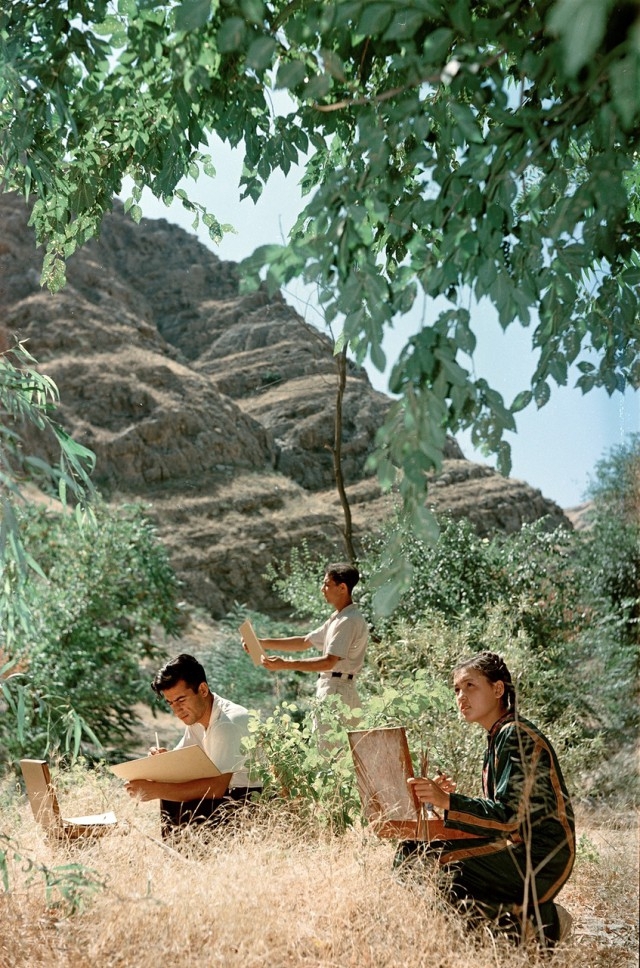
[(337, 455)]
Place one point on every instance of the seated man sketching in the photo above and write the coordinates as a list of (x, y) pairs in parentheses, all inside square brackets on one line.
[(217, 726)]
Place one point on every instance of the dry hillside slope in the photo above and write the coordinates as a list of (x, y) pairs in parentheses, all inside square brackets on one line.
[(215, 408)]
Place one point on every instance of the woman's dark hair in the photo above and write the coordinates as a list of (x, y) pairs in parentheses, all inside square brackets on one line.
[(343, 573), (184, 668), (493, 668)]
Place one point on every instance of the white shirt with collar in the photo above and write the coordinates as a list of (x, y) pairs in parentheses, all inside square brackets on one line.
[(222, 738), (345, 634)]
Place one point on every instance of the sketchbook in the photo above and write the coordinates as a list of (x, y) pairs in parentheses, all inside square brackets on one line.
[(252, 642), (174, 766)]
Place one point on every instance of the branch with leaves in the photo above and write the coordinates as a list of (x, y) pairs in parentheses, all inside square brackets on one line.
[(481, 153)]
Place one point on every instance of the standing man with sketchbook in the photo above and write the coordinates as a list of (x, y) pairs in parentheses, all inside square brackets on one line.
[(215, 724), (342, 640)]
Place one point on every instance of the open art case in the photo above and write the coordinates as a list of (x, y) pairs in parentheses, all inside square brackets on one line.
[(383, 765)]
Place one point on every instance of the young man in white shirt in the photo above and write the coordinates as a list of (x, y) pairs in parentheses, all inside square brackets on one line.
[(342, 640), (215, 724)]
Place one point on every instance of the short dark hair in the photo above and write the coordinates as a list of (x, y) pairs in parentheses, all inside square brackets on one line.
[(493, 668), (343, 573), (184, 668)]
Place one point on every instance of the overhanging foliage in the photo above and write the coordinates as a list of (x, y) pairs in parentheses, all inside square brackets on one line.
[(464, 150)]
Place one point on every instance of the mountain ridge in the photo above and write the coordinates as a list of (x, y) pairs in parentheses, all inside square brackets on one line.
[(216, 409)]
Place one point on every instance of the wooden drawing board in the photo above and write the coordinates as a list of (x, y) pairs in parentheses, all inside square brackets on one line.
[(383, 765), (253, 643), (174, 766), (46, 809)]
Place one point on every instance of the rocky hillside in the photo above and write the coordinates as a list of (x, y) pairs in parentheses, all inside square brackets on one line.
[(215, 408)]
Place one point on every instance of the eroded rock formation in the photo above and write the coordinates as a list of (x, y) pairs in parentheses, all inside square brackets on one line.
[(215, 408)]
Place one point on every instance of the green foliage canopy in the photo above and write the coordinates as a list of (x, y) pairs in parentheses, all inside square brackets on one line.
[(452, 149)]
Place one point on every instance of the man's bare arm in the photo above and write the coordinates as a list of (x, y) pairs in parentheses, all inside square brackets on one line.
[(292, 643), (319, 663), (208, 788)]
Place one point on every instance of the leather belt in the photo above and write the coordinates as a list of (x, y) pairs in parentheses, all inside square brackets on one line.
[(336, 675)]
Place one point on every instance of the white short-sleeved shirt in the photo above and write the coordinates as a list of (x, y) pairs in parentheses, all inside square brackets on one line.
[(345, 634), (221, 739)]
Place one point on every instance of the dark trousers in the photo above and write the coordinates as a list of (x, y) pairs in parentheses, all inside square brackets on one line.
[(493, 884), (176, 815)]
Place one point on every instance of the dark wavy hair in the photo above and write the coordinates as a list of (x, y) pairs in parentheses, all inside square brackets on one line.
[(342, 572), (184, 668), (493, 667)]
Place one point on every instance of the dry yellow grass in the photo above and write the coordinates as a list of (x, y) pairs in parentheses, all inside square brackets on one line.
[(275, 892)]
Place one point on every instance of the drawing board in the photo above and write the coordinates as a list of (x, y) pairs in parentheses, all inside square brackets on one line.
[(174, 766), (252, 642), (383, 765)]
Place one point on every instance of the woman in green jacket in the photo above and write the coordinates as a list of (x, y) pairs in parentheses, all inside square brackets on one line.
[(521, 847)]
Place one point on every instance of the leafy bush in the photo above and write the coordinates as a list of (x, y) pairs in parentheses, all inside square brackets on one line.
[(462, 577), (284, 752), (28, 433), (109, 588), (609, 554), (299, 582)]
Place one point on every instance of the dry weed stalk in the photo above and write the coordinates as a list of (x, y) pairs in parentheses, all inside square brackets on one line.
[(272, 892)]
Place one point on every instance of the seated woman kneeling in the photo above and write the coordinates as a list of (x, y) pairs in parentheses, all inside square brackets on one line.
[(523, 847)]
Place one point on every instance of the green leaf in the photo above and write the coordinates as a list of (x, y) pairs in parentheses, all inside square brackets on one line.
[(581, 26), (109, 26), (405, 23), (541, 394), (260, 53), (253, 11), (522, 400), (290, 74), (625, 84), (192, 14), (374, 19), (231, 35), (378, 357), (318, 87), (437, 45), (387, 474), (631, 277), (128, 8), (466, 122)]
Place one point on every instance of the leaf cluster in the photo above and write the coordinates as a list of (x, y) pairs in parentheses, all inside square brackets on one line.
[(457, 152), (106, 594), (67, 887), (27, 409)]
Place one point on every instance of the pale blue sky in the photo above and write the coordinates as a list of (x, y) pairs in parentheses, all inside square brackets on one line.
[(556, 448)]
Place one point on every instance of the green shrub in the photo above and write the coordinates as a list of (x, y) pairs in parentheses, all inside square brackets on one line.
[(608, 556), (318, 785), (109, 589)]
